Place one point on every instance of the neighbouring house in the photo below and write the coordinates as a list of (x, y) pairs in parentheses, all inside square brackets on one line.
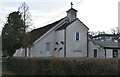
[(104, 46), (67, 37)]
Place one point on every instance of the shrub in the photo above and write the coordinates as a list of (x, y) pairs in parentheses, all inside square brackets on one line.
[(63, 66)]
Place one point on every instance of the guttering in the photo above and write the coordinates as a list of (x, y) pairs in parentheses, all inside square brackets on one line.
[(65, 43)]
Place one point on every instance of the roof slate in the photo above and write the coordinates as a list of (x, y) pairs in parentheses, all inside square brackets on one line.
[(36, 33), (110, 35), (67, 24), (107, 44)]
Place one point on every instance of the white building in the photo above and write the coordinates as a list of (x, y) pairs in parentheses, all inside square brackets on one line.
[(66, 37), (104, 46)]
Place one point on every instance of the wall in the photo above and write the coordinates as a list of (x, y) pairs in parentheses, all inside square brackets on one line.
[(59, 36), (39, 48), (109, 53), (119, 53), (73, 45), (100, 50), (90, 49), (19, 52)]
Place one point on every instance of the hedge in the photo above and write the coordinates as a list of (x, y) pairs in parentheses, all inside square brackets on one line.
[(62, 66)]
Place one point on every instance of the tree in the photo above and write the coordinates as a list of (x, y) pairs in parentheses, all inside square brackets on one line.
[(24, 10), (115, 30), (12, 33)]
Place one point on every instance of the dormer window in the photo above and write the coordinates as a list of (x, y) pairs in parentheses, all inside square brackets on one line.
[(77, 36)]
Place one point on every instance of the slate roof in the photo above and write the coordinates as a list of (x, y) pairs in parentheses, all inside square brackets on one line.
[(107, 44), (36, 33), (111, 35), (67, 24), (72, 9)]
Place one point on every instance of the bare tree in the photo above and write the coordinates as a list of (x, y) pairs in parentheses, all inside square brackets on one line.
[(115, 30), (24, 10)]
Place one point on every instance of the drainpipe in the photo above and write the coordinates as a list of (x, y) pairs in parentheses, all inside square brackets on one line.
[(65, 43), (105, 53), (118, 43), (87, 45)]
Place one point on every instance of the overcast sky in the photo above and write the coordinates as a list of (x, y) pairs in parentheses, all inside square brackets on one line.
[(97, 15)]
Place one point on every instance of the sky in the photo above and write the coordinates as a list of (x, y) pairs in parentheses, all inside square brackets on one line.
[(97, 15)]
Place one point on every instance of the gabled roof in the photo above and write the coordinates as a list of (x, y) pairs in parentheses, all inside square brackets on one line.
[(67, 24), (72, 9), (36, 33), (107, 44), (104, 35)]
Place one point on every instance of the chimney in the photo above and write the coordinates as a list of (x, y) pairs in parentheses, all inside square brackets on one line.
[(71, 14)]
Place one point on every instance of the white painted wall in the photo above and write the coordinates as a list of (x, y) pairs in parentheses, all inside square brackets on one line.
[(59, 36), (118, 53), (101, 52), (91, 48), (19, 52), (109, 53), (39, 48), (72, 44)]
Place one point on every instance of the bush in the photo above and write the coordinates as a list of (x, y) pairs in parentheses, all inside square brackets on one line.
[(63, 66)]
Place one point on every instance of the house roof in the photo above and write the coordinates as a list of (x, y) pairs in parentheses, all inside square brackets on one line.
[(71, 9), (36, 33), (107, 44), (67, 24), (111, 35)]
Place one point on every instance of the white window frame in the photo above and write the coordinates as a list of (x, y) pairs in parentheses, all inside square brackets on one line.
[(76, 36)]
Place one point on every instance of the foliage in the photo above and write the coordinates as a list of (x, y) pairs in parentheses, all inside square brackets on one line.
[(12, 34), (63, 66), (24, 11)]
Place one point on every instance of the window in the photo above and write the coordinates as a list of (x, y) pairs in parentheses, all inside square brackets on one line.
[(48, 52), (47, 46), (95, 52), (115, 53), (77, 36)]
